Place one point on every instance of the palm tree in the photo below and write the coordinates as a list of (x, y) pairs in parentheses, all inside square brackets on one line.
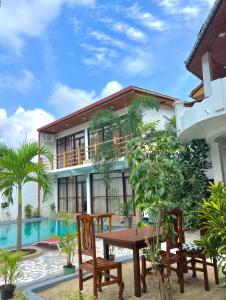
[(18, 167)]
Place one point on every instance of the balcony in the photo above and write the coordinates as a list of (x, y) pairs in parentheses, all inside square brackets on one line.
[(205, 118), (83, 156)]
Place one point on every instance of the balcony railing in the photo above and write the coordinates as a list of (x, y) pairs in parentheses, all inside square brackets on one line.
[(84, 155)]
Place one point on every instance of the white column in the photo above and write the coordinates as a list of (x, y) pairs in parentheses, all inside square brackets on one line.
[(216, 162), (88, 191), (207, 73), (86, 144)]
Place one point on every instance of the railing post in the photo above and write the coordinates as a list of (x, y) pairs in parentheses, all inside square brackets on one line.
[(65, 159), (79, 156)]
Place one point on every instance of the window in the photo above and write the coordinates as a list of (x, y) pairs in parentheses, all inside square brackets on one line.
[(72, 195), (104, 200)]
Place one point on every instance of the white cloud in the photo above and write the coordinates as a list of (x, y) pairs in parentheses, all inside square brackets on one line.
[(177, 7), (22, 125), (111, 88), (138, 63), (145, 18), (99, 56), (23, 82), (19, 18), (131, 32), (65, 99), (108, 40)]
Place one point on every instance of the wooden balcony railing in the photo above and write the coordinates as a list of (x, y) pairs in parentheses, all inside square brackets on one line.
[(84, 155)]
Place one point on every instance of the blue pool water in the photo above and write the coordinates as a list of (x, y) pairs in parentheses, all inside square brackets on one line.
[(32, 232)]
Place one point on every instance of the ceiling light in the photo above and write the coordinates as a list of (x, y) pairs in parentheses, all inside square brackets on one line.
[(111, 107), (67, 125), (221, 34), (84, 118)]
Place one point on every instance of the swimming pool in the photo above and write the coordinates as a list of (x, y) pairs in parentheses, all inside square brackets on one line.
[(32, 232)]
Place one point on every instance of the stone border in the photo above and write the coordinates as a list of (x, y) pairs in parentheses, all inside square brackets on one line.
[(30, 290), (31, 220)]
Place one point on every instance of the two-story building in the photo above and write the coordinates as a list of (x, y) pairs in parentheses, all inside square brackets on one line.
[(205, 117), (77, 187)]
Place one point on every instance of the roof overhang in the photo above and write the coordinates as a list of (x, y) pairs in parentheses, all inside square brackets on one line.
[(211, 38), (114, 102)]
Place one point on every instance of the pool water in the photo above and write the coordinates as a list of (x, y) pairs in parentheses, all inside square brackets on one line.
[(32, 232)]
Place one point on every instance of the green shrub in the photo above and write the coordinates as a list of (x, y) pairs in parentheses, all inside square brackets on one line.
[(28, 211)]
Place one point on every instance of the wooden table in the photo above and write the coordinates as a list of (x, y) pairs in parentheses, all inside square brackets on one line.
[(127, 238)]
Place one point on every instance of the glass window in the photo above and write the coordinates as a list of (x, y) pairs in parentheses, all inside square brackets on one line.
[(72, 194), (115, 193), (98, 194), (62, 194)]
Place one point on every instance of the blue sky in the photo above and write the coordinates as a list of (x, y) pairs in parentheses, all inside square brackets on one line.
[(59, 55)]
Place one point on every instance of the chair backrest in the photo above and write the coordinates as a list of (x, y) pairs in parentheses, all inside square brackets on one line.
[(86, 237), (101, 218), (177, 240)]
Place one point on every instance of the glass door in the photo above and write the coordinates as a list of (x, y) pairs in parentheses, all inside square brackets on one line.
[(81, 194)]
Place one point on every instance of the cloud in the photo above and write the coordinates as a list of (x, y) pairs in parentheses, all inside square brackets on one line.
[(22, 83), (138, 63), (106, 39), (145, 18), (22, 125), (176, 7), (65, 99), (110, 88), (99, 56), (21, 18), (131, 32)]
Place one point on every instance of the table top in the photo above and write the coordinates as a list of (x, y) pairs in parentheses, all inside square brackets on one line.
[(128, 235)]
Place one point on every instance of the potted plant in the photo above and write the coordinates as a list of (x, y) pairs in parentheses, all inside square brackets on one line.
[(36, 213), (125, 210), (68, 242), (28, 211), (52, 208), (9, 272)]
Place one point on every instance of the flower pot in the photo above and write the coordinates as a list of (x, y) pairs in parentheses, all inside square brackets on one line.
[(111, 257), (69, 270), (7, 291), (128, 221)]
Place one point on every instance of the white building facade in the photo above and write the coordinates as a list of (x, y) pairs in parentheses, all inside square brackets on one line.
[(77, 187), (205, 117)]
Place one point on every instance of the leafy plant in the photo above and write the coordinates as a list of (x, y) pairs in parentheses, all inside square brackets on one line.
[(17, 167), (52, 206), (78, 295), (28, 210), (194, 166), (9, 266), (107, 152), (126, 207), (213, 215), (68, 242), (36, 213)]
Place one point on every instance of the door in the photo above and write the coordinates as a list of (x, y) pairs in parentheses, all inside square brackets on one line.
[(81, 194)]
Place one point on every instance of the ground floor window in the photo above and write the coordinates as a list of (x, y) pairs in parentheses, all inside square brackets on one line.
[(72, 195), (104, 200)]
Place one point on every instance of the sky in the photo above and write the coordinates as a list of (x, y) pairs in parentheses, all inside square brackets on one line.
[(57, 56)]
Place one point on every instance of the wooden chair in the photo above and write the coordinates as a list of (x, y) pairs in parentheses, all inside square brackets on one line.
[(97, 266), (197, 255), (100, 220), (169, 258)]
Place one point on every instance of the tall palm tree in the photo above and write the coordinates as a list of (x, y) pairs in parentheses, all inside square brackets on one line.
[(18, 167)]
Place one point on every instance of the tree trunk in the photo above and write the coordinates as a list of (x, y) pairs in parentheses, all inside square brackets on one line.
[(19, 219)]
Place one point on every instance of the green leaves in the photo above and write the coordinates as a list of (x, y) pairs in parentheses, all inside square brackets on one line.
[(9, 265)]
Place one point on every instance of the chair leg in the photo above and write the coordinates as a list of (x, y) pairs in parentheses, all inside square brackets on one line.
[(193, 263), (181, 274), (215, 271), (143, 274), (121, 283), (95, 293), (99, 282), (80, 280), (205, 273)]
